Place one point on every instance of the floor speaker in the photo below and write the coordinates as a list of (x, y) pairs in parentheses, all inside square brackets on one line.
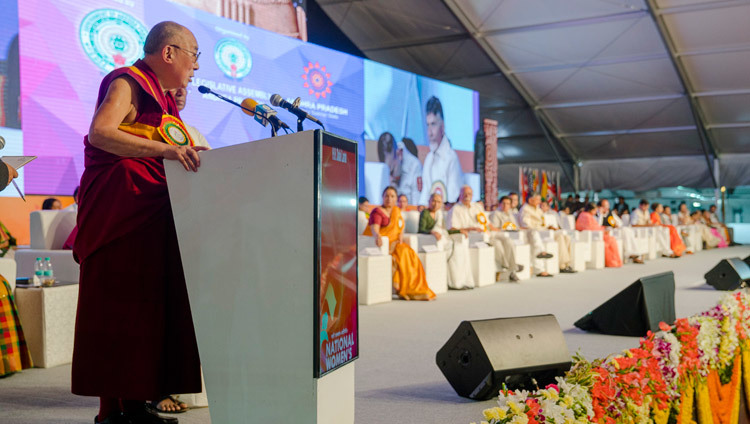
[(522, 353), (634, 311), (729, 274)]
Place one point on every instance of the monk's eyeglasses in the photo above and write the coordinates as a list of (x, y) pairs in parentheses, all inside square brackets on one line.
[(195, 55)]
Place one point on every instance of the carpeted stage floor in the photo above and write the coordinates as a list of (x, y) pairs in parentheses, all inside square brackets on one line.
[(397, 380)]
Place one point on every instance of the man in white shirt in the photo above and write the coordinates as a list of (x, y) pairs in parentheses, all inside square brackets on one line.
[(609, 219), (642, 218), (469, 216), (74, 206), (550, 221), (411, 172), (532, 220), (549, 217), (180, 97), (442, 170), (503, 217)]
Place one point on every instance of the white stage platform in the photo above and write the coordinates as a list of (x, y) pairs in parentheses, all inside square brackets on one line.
[(396, 376)]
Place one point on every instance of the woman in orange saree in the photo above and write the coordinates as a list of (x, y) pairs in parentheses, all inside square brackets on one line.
[(587, 221), (675, 242), (409, 279)]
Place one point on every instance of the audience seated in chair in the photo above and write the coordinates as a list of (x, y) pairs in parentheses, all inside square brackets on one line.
[(408, 274), (714, 222), (532, 220), (14, 354), (551, 221), (51, 203), (586, 221), (403, 204), (471, 217), (641, 218), (714, 229), (683, 215), (433, 221), (365, 206), (675, 242), (609, 218)]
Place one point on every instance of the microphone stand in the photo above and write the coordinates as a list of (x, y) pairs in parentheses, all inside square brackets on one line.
[(209, 91)]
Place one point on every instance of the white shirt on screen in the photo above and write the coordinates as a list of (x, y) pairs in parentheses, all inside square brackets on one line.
[(442, 164), (411, 171)]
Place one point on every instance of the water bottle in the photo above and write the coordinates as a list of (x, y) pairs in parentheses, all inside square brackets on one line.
[(36, 279), (49, 275)]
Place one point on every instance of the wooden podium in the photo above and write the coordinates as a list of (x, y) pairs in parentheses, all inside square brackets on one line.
[(267, 234)]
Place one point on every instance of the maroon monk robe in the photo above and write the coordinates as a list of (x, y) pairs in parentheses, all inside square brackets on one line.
[(134, 331)]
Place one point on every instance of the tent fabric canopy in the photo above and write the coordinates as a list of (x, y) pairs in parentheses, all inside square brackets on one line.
[(661, 83)]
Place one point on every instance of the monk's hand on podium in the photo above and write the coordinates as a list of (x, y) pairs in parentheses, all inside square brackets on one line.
[(187, 156)]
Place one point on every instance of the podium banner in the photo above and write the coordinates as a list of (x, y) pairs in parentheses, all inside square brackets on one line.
[(337, 237)]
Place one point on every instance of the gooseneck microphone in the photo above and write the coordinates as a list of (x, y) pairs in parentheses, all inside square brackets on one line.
[(262, 113), (277, 100), (205, 90)]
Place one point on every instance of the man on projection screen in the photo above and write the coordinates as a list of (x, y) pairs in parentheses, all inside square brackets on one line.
[(441, 171), (134, 338)]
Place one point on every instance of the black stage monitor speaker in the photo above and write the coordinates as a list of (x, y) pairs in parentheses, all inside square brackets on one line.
[(521, 352), (729, 274), (635, 310), (747, 260)]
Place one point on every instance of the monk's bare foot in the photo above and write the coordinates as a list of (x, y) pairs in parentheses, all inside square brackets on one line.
[(170, 405)]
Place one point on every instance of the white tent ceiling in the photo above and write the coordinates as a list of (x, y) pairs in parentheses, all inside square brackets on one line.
[(607, 79)]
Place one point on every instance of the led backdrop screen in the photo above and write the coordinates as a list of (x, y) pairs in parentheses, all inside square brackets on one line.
[(67, 46)]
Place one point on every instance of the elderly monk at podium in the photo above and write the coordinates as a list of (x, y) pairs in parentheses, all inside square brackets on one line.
[(409, 279), (469, 216), (134, 337)]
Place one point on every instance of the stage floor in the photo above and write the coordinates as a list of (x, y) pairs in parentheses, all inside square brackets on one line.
[(397, 380)]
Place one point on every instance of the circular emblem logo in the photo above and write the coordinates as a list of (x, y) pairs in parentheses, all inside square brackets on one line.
[(111, 38), (233, 58), (176, 134), (439, 187), (317, 80)]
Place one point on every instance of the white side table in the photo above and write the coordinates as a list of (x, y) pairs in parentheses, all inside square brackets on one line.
[(48, 317)]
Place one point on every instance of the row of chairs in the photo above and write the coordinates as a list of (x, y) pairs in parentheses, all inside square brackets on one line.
[(587, 252)]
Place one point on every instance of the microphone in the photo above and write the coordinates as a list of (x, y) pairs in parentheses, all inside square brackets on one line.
[(250, 107), (205, 90), (2, 142), (277, 100), (263, 113)]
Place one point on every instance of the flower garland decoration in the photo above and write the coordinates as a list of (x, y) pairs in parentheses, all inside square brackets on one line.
[(697, 362), (482, 220)]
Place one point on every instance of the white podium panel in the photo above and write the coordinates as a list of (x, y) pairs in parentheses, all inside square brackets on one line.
[(246, 228)]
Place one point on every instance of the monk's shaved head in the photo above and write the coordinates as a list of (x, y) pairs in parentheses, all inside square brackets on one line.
[(162, 34)]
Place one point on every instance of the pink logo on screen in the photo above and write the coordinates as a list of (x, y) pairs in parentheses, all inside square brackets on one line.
[(317, 80)]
